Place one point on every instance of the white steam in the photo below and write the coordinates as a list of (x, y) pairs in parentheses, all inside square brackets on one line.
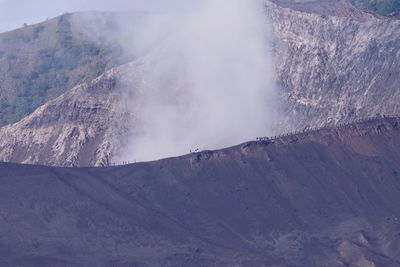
[(209, 84)]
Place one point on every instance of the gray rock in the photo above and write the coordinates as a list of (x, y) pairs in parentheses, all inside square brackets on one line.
[(334, 67), (80, 128)]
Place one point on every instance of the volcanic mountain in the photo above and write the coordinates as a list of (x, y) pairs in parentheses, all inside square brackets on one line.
[(325, 197), (333, 65), (41, 62)]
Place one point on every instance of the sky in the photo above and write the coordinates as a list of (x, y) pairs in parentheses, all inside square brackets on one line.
[(14, 13)]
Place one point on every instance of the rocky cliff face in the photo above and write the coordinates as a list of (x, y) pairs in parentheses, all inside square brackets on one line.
[(328, 197), (80, 128), (334, 65)]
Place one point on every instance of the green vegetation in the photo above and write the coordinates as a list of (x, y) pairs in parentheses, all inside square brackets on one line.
[(41, 62), (381, 7)]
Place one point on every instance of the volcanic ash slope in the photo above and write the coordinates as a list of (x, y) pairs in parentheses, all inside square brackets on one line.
[(323, 198)]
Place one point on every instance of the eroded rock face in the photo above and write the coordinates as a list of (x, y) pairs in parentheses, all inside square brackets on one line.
[(321, 198), (334, 65), (80, 128)]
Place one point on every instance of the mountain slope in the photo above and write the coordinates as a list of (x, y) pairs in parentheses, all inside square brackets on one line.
[(328, 197), (332, 67), (379, 7), (383, 7), (83, 127), (42, 61), (335, 67)]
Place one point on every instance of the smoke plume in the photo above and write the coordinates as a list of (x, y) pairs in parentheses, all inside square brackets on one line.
[(208, 84)]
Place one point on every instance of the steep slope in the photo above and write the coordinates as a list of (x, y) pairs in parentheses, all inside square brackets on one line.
[(328, 197), (42, 61), (83, 127), (383, 7), (379, 7), (337, 8), (335, 66)]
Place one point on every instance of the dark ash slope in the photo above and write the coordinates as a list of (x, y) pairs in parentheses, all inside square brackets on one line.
[(324, 198)]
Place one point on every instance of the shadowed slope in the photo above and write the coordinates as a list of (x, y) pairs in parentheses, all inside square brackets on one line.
[(321, 198)]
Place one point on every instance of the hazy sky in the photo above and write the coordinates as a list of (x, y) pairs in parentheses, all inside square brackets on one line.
[(14, 13)]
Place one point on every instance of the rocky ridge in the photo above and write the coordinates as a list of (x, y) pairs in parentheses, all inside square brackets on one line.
[(325, 197), (41, 62), (80, 128)]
